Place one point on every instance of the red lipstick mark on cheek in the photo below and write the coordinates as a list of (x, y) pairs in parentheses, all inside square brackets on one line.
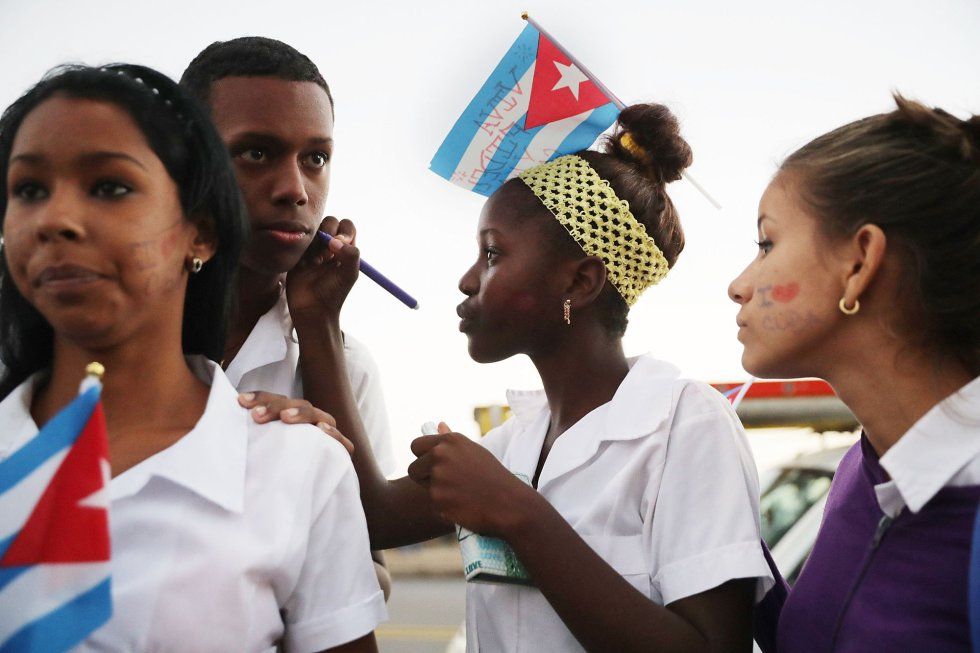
[(785, 293), (522, 301)]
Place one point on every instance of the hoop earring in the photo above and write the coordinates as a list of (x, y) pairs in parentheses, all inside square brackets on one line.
[(196, 265), (848, 311), (567, 311)]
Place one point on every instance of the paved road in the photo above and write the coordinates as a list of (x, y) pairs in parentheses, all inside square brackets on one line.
[(424, 614)]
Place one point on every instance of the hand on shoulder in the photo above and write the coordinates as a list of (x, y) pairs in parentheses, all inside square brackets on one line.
[(269, 407)]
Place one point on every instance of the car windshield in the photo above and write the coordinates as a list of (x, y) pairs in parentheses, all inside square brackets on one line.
[(789, 496)]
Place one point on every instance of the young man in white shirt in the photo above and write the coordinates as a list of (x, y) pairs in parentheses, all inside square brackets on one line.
[(274, 111)]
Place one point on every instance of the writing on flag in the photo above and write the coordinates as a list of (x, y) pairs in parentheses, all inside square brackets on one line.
[(536, 105)]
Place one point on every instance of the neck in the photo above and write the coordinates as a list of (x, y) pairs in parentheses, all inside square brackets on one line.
[(890, 391), (144, 388), (581, 375), (258, 292)]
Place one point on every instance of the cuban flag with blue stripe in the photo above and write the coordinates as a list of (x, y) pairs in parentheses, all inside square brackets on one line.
[(537, 105), (54, 532)]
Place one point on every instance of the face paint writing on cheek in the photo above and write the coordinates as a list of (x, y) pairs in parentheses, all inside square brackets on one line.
[(782, 293), (763, 293), (143, 257), (148, 254), (790, 320)]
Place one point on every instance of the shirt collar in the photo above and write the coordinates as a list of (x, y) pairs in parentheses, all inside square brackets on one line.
[(267, 343), (641, 404), (624, 417), (15, 416), (937, 446), (210, 460)]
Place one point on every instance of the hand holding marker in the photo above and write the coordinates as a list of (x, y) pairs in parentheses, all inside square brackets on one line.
[(379, 278)]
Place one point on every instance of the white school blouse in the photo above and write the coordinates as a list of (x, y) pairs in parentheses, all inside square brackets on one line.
[(269, 360), (659, 481), (237, 536)]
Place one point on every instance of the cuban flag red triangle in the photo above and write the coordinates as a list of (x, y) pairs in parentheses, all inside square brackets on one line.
[(560, 89), (70, 522)]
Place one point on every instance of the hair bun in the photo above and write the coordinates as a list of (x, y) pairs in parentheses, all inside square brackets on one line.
[(649, 137), (955, 135)]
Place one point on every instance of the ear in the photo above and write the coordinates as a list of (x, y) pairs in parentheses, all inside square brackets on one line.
[(867, 254), (588, 277), (205, 242)]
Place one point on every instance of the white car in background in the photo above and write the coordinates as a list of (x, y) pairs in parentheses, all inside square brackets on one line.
[(792, 503)]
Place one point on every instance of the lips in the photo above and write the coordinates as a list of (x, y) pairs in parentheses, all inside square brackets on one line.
[(466, 317), (66, 277), (285, 231)]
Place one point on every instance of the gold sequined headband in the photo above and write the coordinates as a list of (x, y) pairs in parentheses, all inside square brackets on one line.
[(600, 222)]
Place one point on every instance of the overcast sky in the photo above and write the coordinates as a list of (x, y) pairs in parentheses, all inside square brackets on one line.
[(750, 82)]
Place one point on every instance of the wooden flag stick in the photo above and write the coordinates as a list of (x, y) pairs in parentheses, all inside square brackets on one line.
[(602, 87)]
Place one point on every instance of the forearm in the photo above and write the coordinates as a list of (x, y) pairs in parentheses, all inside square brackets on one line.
[(397, 512), (602, 610)]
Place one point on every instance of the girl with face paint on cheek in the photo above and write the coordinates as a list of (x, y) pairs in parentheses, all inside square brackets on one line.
[(871, 236), (123, 227), (607, 440)]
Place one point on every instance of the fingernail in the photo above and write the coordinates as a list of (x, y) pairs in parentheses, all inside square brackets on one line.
[(324, 427), (247, 396), (259, 411), (336, 244), (291, 412)]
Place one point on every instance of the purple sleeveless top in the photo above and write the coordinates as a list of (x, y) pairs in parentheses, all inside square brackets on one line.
[(876, 584)]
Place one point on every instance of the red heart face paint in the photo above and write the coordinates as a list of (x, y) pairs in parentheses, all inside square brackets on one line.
[(785, 293)]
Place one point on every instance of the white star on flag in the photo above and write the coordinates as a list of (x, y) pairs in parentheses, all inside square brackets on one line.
[(100, 498), (571, 78)]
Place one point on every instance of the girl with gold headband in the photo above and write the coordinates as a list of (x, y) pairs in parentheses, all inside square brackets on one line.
[(640, 525)]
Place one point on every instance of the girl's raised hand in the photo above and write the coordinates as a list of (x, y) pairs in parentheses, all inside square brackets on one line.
[(467, 485), (268, 407), (319, 284)]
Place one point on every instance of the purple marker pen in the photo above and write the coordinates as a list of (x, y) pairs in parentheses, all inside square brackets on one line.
[(380, 279)]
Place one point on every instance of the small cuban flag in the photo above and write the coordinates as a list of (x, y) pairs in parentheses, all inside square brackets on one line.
[(537, 105), (54, 531)]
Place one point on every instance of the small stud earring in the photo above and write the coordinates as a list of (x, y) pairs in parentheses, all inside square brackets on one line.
[(567, 311), (196, 265)]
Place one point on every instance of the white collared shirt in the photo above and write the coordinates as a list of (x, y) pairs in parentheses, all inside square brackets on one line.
[(659, 481), (941, 449), (237, 536), (269, 361)]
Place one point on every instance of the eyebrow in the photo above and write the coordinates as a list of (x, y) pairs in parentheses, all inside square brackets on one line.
[(273, 138), (763, 216), (88, 157)]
